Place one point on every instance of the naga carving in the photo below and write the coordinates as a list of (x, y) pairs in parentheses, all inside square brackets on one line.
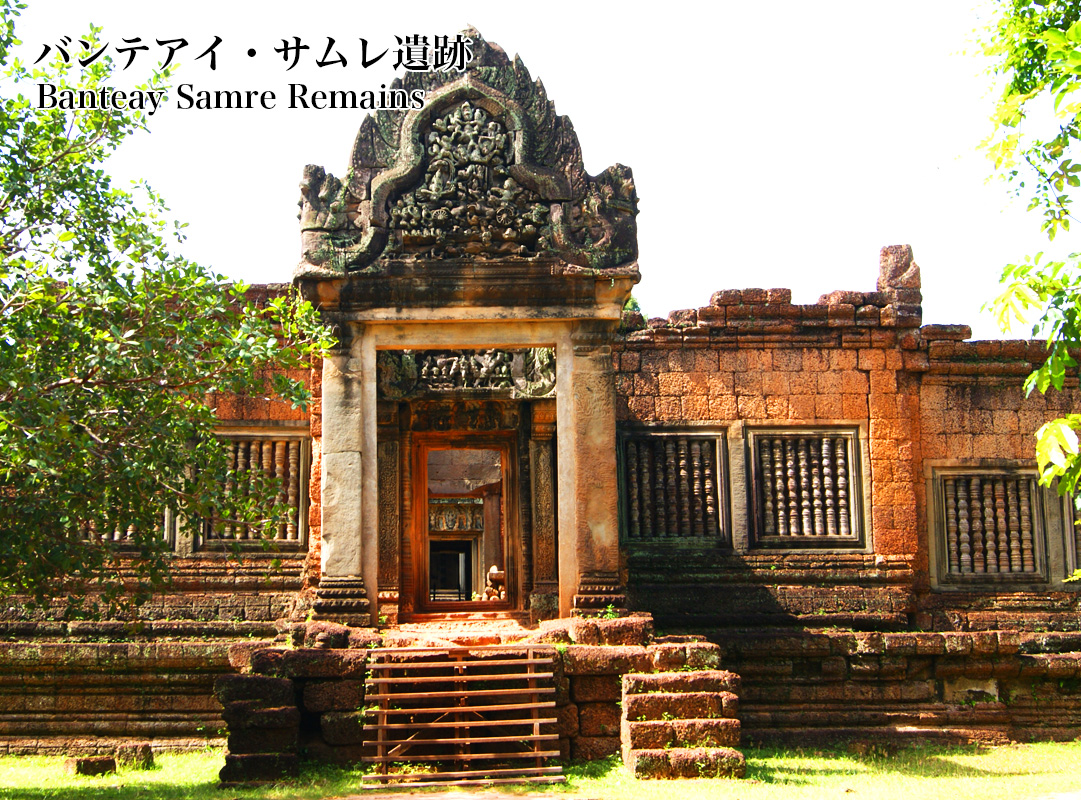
[(486, 169)]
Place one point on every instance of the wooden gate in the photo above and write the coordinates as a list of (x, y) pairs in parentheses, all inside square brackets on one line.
[(461, 715)]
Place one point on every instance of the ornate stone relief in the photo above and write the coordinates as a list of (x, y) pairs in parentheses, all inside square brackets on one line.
[(389, 521), (465, 415), (405, 374), (468, 203), (449, 515), (544, 513), (486, 169)]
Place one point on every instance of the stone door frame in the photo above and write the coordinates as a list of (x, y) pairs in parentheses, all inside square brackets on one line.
[(587, 531)]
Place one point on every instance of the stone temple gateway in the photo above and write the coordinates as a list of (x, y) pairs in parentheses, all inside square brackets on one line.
[(753, 521), (475, 275)]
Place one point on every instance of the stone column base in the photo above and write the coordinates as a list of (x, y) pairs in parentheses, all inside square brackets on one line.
[(344, 600), (543, 604), (599, 596)]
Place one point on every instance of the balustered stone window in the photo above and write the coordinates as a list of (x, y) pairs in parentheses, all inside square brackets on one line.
[(280, 454), (998, 527), (806, 488), (123, 537), (673, 488)]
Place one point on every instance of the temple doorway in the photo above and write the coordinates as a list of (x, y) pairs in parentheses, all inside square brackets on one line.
[(464, 523)]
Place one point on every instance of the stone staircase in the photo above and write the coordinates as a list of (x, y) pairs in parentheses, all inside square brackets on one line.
[(682, 725)]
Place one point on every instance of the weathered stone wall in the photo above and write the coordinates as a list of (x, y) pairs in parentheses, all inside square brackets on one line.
[(974, 410), (921, 399), (86, 697), (809, 687), (752, 359), (214, 587)]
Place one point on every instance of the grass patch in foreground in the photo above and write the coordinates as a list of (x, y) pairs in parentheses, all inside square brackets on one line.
[(957, 773)]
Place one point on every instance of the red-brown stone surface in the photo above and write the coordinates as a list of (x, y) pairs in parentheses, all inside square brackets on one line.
[(697, 762)]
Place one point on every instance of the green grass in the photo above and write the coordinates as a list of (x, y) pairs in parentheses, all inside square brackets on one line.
[(957, 773)]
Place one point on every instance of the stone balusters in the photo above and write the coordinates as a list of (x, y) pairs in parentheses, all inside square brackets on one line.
[(989, 525)]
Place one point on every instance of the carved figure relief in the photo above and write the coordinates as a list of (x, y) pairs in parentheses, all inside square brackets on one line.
[(486, 169), (405, 374), (455, 516), (468, 202)]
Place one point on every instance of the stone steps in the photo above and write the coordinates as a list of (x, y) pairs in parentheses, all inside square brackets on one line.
[(682, 725)]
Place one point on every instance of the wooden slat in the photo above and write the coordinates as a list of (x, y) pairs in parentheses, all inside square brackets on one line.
[(471, 709), (399, 678), (479, 781), (474, 723), (514, 676), (501, 772), (525, 737), (495, 662), (453, 757), (465, 649), (459, 693)]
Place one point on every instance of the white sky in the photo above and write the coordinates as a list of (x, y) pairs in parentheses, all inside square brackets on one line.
[(772, 145)]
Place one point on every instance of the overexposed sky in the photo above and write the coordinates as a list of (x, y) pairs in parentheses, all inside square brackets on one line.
[(773, 145)]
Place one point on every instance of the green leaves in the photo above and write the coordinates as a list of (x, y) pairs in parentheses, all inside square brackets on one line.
[(1037, 45), (1057, 453), (1049, 293), (112, 347)]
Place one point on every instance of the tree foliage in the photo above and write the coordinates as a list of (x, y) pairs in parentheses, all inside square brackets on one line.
[(109, 347), (1036, 45)]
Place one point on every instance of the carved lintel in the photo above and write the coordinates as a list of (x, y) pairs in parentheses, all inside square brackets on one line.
[(465, 415), (342, 599), (526, 374)]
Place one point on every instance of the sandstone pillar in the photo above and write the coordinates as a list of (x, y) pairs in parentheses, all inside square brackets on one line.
[(589, 569), (341, 586)]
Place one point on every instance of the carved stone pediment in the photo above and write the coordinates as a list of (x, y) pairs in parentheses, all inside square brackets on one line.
[(485, 170)]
